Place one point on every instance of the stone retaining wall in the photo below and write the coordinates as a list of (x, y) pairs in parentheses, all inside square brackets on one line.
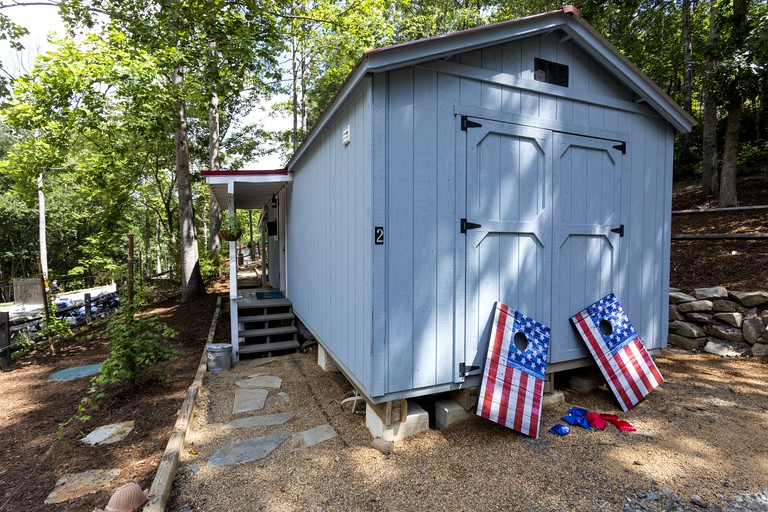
[(719, 321)]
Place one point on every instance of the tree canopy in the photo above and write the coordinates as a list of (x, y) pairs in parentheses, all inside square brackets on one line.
[(137, 96)]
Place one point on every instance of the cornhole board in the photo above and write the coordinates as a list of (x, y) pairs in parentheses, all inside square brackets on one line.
[(616, 347), (513, 380)]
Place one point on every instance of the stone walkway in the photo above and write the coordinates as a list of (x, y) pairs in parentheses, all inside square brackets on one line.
[(251, 396)]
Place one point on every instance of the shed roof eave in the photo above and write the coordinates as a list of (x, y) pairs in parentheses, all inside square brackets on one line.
[(566, 19)]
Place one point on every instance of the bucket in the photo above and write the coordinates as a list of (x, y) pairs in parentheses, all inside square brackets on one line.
[(219, 357)]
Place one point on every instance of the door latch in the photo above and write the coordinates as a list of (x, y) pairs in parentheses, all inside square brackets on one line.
[(464, 369), (619, 230)]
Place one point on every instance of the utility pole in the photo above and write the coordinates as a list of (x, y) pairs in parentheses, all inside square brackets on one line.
[(43, 243)]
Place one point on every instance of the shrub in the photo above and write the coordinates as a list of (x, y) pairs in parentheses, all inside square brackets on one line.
[(135, 344)]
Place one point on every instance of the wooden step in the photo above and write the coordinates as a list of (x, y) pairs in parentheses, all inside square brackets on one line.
[(266, 303), (266, 318), (252, 333), (268, 347)]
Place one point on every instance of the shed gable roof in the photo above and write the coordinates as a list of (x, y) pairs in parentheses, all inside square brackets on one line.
[(568, 20)]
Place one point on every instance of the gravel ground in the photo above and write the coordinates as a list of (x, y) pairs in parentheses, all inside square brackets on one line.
[(700, 445)]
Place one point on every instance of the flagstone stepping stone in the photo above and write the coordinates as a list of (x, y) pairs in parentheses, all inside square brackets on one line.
[(109, 434), (261, 421), (312, 437), (261, 381), (79, 484), (78, 372), (280, 398), (247, 400), (247, 450)]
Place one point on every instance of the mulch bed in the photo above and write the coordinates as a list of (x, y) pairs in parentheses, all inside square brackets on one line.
[(736, 264), (33, 407)]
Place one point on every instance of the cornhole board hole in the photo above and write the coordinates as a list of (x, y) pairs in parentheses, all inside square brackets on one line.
[(620, 354), (513, 380)]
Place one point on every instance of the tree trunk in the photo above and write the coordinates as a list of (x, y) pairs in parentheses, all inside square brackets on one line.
[(730, 153), (158, 261), (294, 84), (727, 196), (191, 279), (214, 150), (146, 265), (685, 141), (709, 175)]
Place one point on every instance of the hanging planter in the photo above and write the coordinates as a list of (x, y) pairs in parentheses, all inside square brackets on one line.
[(230, 235)]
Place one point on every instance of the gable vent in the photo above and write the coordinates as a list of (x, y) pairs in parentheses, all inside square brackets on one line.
[(550, 72)]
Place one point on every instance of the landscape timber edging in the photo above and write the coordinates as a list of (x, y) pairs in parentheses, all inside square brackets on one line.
[(166, 470), (717, 320)]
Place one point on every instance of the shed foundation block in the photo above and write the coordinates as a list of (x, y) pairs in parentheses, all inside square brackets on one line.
[(417, 421), (449, 413), (325, 361)]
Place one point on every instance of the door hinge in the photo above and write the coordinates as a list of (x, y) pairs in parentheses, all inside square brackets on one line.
[(468, 225), (466, 123), (619, 230), (464, 369), (621, 147)]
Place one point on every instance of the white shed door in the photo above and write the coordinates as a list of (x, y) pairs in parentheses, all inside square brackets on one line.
[(508, 235), (541, 207), (587, 231)]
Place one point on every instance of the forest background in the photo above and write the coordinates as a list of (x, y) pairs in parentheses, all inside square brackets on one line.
[(117, 119)]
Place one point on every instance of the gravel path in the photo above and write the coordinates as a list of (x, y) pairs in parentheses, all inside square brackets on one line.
[(700, 445)]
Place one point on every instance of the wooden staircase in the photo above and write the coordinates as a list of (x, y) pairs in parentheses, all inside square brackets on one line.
[(266, 326)]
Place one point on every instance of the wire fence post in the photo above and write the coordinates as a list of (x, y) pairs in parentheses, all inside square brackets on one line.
[(5, 340), (87, 300)]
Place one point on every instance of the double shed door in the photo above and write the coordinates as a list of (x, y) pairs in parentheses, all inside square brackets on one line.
[(543, 230)]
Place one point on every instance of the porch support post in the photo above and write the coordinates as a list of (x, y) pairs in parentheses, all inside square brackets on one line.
[(233, 313)]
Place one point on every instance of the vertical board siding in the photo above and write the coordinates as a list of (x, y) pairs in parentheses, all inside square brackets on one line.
[(400, 238), (329, 224)]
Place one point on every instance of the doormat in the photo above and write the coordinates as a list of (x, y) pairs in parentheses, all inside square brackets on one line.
[(513, 381), (620, 354), (270, 295)]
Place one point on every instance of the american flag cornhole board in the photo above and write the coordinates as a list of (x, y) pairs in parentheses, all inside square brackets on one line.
[(618, 351), (513, 380)]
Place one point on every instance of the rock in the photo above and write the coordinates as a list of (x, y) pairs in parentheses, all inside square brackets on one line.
[(675, 314), (260, 381), (678, 297), (764, 337), (312, 437), (734, 319), (700, 318), (686, 329), (720, 349), (697, 305), (109, 434), (246, 450), (716, 292), (749, 299), (75, 485), (753, 328), (760, 349), (725, 306), (764, 316), (686, 343), (724, 332), (261, 421), (382, 445), (584, 384)]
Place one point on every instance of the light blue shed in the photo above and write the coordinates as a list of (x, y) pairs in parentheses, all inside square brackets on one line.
[(526, 162)]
